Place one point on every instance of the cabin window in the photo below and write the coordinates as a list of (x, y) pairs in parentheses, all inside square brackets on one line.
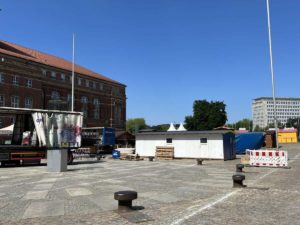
[(203, 140), (169, 140)]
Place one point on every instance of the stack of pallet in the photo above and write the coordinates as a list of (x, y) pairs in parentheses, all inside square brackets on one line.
[(164, 152), (269, 141)]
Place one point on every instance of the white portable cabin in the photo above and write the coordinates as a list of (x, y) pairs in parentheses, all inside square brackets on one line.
[(217, 144)]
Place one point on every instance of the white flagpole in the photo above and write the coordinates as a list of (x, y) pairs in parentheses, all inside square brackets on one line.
[(272, 74), (73, 58)]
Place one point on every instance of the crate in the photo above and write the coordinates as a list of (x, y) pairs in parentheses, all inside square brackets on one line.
[(164, 152)]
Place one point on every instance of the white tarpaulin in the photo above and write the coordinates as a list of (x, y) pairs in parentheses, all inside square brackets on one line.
[(58, 129)]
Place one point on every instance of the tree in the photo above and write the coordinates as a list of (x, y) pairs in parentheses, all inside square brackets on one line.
[(135, 124), (258, 128), (293, 122), (244, 123), (206, 115), (161, 127)]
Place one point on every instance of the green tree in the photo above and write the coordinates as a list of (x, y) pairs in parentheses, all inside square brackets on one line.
[(135, 124), (244, 123), (206, 115), (161, 127), (293, 122), (258, 128)]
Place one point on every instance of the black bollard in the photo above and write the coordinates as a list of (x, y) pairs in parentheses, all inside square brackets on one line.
[(239, 168), (238, 180), (151, 158), (199, 161), (125, 200)]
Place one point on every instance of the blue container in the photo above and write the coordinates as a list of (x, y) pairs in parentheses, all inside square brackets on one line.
[(251, 140), (115, 154)]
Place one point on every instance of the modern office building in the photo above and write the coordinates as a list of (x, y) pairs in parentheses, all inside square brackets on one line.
[(32, 79), (263, 110)]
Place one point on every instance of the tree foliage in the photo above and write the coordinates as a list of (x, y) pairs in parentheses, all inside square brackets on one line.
[(244, 123), (161, 127), (206, 115), (135, 124), (293, 122)]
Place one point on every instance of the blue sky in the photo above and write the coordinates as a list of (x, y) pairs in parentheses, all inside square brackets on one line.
[(169, 52)]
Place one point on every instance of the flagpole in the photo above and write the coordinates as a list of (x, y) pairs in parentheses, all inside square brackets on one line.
[(73, 58), (272, 74)]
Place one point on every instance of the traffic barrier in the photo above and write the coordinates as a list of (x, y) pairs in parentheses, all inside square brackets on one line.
[(268, 158)]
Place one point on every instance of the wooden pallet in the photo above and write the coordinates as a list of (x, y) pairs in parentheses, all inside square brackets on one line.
[(164, 152)]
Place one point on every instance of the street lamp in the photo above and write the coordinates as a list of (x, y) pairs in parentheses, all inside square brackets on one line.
[(272, 74)]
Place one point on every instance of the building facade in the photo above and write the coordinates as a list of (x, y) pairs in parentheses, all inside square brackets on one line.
[(263, 110), (32, 79)]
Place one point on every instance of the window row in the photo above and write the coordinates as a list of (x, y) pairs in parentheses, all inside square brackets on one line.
[(15, 101), (15, 80), (55, 95), (285, 102)]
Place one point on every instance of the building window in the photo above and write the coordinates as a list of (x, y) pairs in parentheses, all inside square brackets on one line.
[(28, 102), (79, 80), (87, 83), (169, 140), (44, 72), (63, 77), (94, 84), (55, 95), (84, 100), (15, 101), (2, 101), (28, 83), (101, 86), (1, 78), (53, 75), (203, 140), (96, 108), (15, 80), (117, 113), (84, 106)]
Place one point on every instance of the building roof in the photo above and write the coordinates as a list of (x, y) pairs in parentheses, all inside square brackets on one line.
[(49, 60), (185, 132), (277, 98)]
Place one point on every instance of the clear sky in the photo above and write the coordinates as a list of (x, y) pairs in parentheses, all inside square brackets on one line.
[(169, 52)]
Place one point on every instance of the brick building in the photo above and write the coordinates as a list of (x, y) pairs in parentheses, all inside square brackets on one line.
[(32, 79)]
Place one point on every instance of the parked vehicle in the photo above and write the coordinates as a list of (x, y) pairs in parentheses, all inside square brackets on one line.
[(35, 131), (95, 142)]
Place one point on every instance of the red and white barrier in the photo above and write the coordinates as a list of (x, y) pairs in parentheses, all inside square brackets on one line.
[(268, 158)]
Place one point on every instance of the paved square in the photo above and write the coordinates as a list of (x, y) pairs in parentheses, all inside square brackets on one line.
[(176, 192), (43, 209), (36, 194), (78, 191)]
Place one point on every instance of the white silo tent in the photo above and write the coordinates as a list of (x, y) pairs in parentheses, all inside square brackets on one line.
[(172, 127), (181, 128)]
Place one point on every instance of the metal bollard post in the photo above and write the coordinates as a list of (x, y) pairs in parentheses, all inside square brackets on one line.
[(125, 200), (199, 161), (151, 158), (238, 181), (239, 168)]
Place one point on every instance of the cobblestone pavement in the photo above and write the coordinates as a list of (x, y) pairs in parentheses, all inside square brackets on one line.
[(169, 192)]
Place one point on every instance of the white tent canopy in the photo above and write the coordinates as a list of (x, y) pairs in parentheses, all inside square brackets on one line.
[(172, 127), (181, 128), (7, 130)]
